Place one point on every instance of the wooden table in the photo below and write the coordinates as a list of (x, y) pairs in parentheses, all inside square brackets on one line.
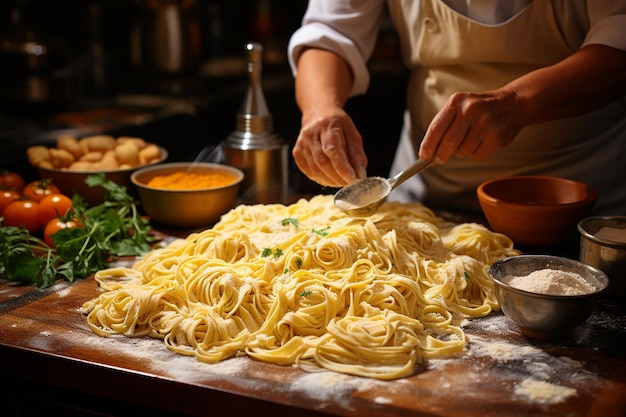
[(50, 360)]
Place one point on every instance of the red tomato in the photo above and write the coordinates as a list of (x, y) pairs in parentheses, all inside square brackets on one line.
[(22, 213), (11, 180), (38, 189), (6, 198), (55, 225), (53, 205)]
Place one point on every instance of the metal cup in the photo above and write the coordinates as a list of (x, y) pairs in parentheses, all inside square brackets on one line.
[(603, 245)]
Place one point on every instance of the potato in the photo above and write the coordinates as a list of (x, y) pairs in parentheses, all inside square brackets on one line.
[(37, 154), (127, 153), (108, 161), (139, 142), (101, 143), (70, 144), (92, 156), (83, 166), (45, 164), (96, 152), (148, 154), (60, 158), (84, 146)]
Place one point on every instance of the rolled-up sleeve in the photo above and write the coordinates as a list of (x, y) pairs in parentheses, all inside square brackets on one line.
[(348, 28), (607, 19)]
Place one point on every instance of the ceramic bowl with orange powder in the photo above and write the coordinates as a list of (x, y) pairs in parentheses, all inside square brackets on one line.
[(187, 194)]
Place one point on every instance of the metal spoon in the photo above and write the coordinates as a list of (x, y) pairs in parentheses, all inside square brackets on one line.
[(363, 197)]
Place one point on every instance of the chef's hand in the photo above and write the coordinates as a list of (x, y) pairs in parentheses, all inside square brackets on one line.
[(472, 125), (329, 149)]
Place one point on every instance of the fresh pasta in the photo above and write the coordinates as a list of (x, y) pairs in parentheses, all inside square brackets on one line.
[(306, 285)]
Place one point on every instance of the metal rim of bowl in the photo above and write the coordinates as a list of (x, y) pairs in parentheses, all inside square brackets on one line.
[(185, 165), (596, 271), (597, 239)]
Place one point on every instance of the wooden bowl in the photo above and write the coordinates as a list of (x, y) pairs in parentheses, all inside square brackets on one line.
[(535, 210)]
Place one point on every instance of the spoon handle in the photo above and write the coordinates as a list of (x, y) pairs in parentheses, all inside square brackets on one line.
[(402, 176)]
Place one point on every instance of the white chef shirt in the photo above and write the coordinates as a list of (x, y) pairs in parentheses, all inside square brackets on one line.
[(350, 28)]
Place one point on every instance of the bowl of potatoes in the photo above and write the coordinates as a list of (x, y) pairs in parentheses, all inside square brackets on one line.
[(73, 159)]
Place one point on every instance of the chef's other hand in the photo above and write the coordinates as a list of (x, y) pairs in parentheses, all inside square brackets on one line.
[(472, 125), (329, 149)]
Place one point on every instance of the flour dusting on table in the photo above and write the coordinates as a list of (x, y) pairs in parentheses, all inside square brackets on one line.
[(327, 385), (156, 354), (543, 392)]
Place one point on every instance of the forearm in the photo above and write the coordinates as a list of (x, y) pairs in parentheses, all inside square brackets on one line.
[(329, 148), (585, 81), (323, 79), (478, 124)]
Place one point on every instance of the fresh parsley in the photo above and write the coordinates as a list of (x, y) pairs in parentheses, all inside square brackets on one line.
[(278, 252), (289, 220), (321, 232)]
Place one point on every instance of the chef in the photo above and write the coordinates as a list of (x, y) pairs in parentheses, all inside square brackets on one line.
[(497, 88)]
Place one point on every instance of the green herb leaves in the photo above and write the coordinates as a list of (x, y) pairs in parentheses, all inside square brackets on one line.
[(278, 252), (323, 232), (111, 229), (26, 258), (289, 220)]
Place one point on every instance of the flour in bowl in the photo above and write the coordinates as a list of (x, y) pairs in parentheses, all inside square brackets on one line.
[(551, 281)]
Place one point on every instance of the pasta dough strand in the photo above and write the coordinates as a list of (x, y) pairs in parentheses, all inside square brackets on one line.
[(305, 284)]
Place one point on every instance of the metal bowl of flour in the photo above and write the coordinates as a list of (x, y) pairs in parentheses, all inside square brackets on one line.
[(546, 296)]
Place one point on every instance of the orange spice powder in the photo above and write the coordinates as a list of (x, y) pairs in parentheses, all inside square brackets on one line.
[(182, 180)]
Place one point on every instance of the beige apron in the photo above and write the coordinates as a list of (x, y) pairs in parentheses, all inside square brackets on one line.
[(453, 53)]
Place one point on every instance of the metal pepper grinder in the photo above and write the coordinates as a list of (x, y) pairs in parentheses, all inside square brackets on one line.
[(253, 147)]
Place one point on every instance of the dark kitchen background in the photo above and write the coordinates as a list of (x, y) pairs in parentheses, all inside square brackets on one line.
[(170, 71)]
